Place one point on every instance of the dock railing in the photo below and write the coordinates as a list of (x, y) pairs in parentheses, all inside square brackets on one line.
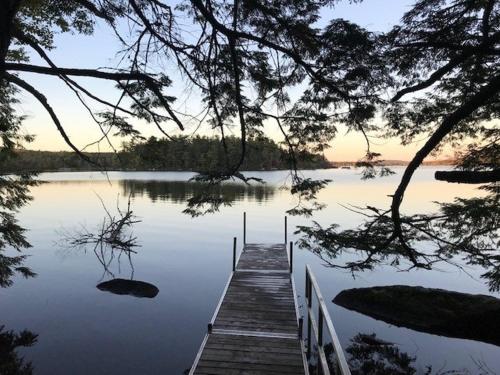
[(326, 365), (234, 264), (331, 360)]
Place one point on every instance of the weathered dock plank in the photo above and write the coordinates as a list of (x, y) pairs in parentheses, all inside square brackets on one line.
[(239, 354), (264, 257), (255, 329), (258, 302)]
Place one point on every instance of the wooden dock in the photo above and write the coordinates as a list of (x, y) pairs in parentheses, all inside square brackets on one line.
[(256, 328)]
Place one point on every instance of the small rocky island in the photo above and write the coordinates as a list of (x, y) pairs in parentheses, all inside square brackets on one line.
[(435, 311), (134, 288)]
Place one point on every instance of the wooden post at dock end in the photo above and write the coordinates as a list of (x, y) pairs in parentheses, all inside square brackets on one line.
[(286, 230), (244, 228), (291, 256), (234, 254)]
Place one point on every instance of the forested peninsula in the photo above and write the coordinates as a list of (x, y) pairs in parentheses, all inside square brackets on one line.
[(197, 153)]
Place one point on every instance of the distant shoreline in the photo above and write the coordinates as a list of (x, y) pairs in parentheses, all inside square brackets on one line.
[(31, 161), (333, 164), (396, 163), (341, 165)]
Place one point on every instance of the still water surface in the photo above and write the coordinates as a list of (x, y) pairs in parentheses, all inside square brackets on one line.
[(83, 330)]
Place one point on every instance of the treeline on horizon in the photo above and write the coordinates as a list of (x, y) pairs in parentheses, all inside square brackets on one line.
[(199, 153)]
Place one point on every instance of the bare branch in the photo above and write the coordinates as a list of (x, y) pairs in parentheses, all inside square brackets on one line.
[(43, 100), (150, 82)]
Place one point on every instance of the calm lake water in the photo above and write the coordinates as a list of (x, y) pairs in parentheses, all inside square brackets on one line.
[(83, 330)]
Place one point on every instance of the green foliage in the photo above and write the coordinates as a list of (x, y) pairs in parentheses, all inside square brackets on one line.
[(441, 64), (14, 191), (466, 229), (305, 189), (456, 41), (373, 166), (199, 154), (10, 362), (42, 19), (10, 122), (207, 155)]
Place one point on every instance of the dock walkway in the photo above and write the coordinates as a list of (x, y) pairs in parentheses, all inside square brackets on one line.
[(256, 327)]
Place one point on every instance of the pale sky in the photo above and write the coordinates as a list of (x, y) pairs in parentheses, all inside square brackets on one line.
[(99, 50)]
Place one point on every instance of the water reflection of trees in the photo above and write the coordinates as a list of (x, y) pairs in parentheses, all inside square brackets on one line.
[(11, 363), (369, 355), (179, 191)]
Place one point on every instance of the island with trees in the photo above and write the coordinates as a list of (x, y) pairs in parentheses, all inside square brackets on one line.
[(199, 154)]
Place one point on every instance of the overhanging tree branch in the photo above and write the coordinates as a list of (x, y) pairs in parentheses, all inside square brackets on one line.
[(434, 77), (25, 39), (468, 51), (236, 34), (448, 124), (150, 82), (101, 13), (43, 101)]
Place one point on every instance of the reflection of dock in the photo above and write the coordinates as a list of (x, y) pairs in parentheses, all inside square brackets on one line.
[(256, 327)]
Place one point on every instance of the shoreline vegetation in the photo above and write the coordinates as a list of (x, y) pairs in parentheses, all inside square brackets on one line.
[(196, 154), (178, 154)]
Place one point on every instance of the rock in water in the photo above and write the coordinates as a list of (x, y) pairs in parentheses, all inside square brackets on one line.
[(436, 311), (131, 287)]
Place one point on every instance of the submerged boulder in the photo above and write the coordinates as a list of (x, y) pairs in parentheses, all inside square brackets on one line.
[(129, 287), (436, 311)]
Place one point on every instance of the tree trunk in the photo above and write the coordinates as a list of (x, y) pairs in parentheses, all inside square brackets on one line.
[(7, 14)]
